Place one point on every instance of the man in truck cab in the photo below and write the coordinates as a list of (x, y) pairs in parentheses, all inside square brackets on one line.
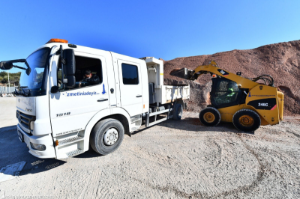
[(90, 79)]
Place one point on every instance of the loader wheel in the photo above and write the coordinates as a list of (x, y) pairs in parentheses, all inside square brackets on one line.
[(210, 116), (246, 120), (177, 111), (107, 136)]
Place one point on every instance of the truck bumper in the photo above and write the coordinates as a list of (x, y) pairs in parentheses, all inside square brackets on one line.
[(46, 140)]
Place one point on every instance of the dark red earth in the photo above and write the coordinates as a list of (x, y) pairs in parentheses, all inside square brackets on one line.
[(281, 61)]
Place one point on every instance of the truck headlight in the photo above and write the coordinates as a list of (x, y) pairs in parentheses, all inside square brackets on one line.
[(31, 125), (39, 147)]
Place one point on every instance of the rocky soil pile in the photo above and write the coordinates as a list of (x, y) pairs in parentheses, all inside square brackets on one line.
[(281, 61)]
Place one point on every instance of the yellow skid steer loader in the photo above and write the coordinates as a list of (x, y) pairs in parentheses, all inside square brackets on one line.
[(247, 103)]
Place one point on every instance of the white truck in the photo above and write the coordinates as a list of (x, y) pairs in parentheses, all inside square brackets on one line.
[(61, 114)]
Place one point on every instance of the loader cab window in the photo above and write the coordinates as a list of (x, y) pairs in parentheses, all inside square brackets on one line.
[(224, 93), (84, 65), (130, 74)]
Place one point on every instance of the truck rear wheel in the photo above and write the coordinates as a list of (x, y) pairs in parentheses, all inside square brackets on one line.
[(107, 136), (177, 111), (210, 116), (246, 120)]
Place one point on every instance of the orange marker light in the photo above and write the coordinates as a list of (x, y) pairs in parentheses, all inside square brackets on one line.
[(57, 41), (56, 143), (214, 75)]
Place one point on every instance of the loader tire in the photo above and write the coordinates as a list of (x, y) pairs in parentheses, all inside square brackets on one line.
[(107, 136), (210, 116), (177, 111), (246, 120)]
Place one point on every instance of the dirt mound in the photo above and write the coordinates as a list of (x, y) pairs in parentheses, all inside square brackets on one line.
[(281, 61)]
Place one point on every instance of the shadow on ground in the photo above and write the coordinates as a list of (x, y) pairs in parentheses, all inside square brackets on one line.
[(194, 124), (88, 154), (13, 151)]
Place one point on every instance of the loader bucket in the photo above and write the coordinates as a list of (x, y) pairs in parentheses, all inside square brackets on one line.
[(184, 73)]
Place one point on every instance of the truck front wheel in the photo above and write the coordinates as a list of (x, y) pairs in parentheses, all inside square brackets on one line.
[(107, 136)]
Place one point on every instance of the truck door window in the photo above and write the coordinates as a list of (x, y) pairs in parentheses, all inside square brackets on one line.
[(130, 74), (88, 72)]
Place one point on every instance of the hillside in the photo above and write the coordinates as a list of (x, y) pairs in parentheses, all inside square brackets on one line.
[(281, 61)]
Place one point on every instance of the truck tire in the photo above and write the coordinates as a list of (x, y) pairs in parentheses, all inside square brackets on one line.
[(246, 120), (177, 111), (210, 116), (107, 136)]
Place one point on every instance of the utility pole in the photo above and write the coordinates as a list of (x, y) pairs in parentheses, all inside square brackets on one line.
[(8, 83)]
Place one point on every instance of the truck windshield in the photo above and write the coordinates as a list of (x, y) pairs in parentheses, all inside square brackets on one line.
[(38, 62)]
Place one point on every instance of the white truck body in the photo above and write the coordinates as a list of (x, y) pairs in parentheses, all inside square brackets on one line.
[(163, 94), (58, 125)]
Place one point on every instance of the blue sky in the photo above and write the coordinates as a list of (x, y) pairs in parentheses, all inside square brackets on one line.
[(163, 29)]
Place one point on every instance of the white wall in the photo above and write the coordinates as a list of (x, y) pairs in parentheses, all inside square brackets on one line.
[(4, 89)]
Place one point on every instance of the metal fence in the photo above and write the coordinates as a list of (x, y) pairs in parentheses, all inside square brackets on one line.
[(6, 90)]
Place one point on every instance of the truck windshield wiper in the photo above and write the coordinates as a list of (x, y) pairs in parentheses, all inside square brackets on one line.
[(23, 91), (17, 93)]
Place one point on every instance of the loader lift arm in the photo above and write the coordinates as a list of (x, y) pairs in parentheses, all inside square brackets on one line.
[(213, 68)]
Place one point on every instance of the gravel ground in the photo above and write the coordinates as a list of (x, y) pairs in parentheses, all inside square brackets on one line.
[(8, 111), (170, 160)]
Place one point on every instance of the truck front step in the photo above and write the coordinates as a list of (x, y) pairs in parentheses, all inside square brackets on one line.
[(69, 146), (69, 141), (76, 152)]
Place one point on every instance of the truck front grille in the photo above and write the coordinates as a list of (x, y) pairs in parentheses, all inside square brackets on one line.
[(25, 120)]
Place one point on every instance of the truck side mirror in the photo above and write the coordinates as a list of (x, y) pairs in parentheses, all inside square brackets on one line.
[(28, 71), (70, 67), (6, 65), (54, 89)]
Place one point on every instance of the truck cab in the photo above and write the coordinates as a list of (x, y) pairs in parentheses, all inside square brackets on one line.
[(62, 111)]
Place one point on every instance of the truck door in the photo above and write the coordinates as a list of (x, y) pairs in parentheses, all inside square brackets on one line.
[(71, 109), (130, 87)]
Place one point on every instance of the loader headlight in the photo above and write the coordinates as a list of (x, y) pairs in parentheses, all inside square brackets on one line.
[(39, 147)]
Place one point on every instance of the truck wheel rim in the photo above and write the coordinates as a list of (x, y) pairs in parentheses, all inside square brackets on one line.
[(246, 120), (209, 117), (111, 136)]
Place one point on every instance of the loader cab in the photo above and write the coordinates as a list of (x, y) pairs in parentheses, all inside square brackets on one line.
[(225, 93)]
